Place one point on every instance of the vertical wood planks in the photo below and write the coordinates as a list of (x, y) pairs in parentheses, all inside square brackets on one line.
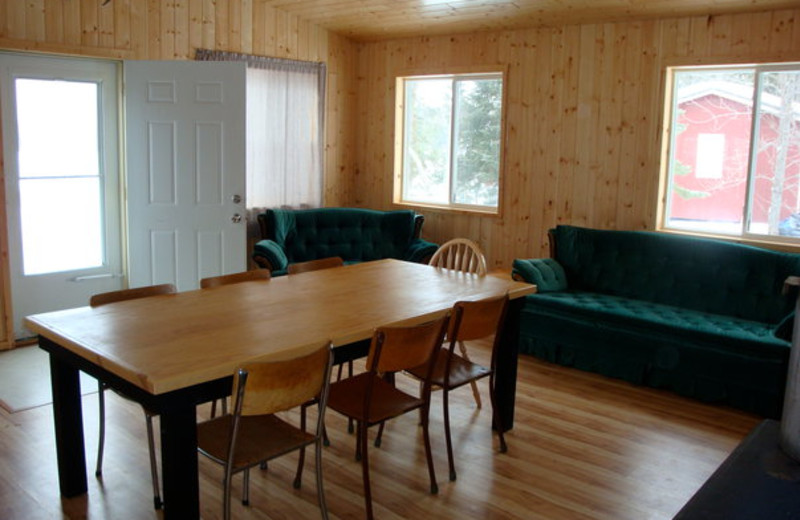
[(583, 117)]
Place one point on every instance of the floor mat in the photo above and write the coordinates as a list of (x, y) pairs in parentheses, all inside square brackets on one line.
[(25, 379)]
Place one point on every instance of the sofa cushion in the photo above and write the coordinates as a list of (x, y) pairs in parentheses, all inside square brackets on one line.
[(705, 275), (736, 335), (545, 273)]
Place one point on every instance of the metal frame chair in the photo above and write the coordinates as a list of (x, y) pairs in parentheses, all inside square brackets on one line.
[(470, 321), (210, 282), (316, 265), (371, 398), (253, 434), (104, 299)]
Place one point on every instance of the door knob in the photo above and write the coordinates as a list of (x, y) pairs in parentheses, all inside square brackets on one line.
[(236, 218)]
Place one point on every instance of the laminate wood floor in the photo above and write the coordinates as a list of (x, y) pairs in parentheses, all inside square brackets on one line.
[(583, 447)]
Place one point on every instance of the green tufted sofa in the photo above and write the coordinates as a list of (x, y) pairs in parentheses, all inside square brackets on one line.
[(705, 318), (354, 234)]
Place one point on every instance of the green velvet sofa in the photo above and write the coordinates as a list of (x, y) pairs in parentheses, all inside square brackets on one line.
[(354, 234), (708, 319)]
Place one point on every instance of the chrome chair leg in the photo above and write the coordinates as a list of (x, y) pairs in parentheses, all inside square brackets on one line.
[(153, 466), (101, 435), (323, 507)]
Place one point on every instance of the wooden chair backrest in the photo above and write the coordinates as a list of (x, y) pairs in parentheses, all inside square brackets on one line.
[(244, 276), (478, 319), (460, 254), (399, 348), (131, 294), (275, 386), (315, 265)]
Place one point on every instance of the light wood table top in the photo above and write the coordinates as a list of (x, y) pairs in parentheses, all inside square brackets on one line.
[(168, 342)]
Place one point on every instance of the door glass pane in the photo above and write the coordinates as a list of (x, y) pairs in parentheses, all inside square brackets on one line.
[(775, 206), (61, 228), (59, 175), (58, 130)]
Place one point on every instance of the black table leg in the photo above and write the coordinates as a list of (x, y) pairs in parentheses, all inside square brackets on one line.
[(506, 368), (68, 420), (179, 461)]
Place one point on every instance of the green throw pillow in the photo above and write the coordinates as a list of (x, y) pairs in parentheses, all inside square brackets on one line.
[(546, 273)]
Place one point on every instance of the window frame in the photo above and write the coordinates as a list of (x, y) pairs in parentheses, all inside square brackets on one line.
[(782, 242), (492, 71)]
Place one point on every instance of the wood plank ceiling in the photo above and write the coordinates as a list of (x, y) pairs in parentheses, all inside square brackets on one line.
[(372, 20)]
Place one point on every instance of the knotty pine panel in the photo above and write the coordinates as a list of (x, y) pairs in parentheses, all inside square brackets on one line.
[(583, 117)]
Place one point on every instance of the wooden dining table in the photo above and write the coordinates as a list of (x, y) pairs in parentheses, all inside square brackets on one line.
[(173, 352)]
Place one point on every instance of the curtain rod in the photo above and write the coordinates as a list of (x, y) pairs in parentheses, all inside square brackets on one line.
[(261, 62)]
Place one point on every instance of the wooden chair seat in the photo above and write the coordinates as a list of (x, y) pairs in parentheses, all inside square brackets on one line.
[(261, 437), (462, 371), (387, 401)]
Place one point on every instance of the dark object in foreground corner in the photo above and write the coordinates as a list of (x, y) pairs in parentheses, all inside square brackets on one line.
[(757, 480)]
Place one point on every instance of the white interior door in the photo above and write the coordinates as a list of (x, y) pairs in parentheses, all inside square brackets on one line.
[(60, 139), (185, 155)]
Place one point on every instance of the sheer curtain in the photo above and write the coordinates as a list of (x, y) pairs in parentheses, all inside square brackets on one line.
[(284, 152), (285, 108)]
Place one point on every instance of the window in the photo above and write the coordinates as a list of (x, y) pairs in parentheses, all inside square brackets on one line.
[(733, 160), (710, 155), (450, 139)]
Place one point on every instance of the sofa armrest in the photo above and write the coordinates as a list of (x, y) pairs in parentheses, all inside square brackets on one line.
[(545, 273), (269, 255), (420, 251)]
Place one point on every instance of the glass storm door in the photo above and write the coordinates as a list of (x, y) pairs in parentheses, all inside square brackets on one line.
[(60, 138)]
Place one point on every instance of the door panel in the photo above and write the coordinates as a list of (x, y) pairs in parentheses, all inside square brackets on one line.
[(186, 167)]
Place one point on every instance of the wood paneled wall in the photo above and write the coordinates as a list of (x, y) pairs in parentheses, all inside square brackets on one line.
[(584, 110), (159, 30)]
